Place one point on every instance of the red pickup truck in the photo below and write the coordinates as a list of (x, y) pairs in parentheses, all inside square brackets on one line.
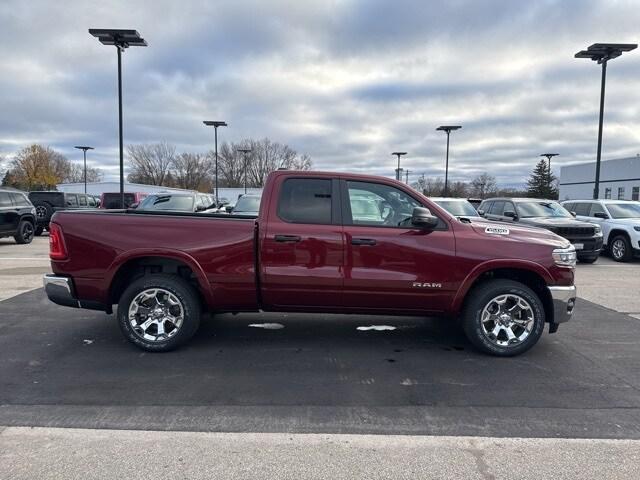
[(322, 242)]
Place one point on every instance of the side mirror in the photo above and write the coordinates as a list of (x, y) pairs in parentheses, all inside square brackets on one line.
[(510, 214), (481, 212), (200, 208), (573, 214), (421, 217), (601, 215), (134, 205), (228, 209)]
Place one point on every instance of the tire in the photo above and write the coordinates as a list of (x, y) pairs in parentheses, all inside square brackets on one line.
[(171, 289), (39, 230), (483, 300), (620, 249), (587, 259), (25, 232), (44, 211)]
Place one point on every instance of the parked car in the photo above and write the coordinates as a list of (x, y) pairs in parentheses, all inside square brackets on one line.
[(112, 200), (585, 237), (17, 215), (309, 251), (177, 202), (620, 223), (475, 202), (458, 207), (247, 204), (49, 202)]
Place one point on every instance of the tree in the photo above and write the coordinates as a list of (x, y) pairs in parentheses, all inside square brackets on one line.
[(151, 163), (37, 168), (192, 171), (541, 183), (483, 185), (76, 174), (458, 189)]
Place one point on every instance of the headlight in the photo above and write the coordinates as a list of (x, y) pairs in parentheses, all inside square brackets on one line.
[(565, 257), (598, 230)]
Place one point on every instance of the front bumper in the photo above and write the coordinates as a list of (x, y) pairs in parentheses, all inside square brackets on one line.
[(564, 301), (60, 290), (587, 247)]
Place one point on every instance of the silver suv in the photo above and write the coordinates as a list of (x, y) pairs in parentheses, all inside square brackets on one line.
[(619, 220)]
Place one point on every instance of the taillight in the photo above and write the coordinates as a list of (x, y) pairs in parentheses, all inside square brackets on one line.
[(57, 248)]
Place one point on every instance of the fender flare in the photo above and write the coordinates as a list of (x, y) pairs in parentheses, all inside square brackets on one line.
[(181, 256), (496, 264)]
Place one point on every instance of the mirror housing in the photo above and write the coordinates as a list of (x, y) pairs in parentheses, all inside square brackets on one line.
[(200, 208), (228, 209), (481, 212), (573, 214), (510, 214), (601, 215), (134, 205), (422, 217)]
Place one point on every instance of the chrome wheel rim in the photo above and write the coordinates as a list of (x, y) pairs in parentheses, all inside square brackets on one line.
[(155, 315), (507, 320), (618, 249), (41, 212), (27, 232)]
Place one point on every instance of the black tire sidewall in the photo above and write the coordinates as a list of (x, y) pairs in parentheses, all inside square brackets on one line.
[(480, 296), (627, 249), (181, 289), (19, 237), (587, 259), (47, 206), (38, 231)]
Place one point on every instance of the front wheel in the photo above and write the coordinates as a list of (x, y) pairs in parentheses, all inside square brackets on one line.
[(621, 249), (25, 232), (587, 259), (503, 318), (159, 312)]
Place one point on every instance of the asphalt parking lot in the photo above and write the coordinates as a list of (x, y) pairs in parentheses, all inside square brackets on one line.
[(319, 373)]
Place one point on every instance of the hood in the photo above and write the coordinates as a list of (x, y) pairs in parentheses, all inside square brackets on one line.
[(554, 222), (634, 222), (517, 233)]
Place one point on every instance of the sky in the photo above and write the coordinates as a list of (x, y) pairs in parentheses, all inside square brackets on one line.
[(346, 82)]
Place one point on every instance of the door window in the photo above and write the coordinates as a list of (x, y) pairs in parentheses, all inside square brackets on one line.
[(379, 205), (497, 208), (83, 200), (596, 208), (72, 201), (305, 200), (92, 201), (582, 209), (20, 200), (5, 200)]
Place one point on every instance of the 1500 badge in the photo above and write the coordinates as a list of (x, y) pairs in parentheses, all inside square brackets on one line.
[(426, 285)]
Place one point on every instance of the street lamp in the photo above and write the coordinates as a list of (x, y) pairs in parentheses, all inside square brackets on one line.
[(215, 124), (602, 53), (121, 39), (398, 170), (447, 129), (84, 152), (244, 152), (406, 173), (549, 157)]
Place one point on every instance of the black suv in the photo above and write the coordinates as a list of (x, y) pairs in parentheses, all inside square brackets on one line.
[(585, 237), (47, 203), (17, 215)]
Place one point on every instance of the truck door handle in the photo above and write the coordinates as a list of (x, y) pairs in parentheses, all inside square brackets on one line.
[(287, 238), (363, 241)]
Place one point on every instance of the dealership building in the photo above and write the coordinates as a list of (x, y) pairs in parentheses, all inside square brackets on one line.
[(619, 180)]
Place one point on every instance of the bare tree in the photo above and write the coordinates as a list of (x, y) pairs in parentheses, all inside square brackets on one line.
[(483, 185), (150, 163), (76, 174), (231, 164), (458, 189), (192, 171)]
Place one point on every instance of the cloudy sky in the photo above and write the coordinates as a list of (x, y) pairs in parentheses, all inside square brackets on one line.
[(347, 82)]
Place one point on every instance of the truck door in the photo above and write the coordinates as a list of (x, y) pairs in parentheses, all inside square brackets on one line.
[(391, 265), (301, 254)]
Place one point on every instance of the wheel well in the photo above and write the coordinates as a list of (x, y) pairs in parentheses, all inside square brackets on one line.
[(138, 267), (527, 277), (614, 233)]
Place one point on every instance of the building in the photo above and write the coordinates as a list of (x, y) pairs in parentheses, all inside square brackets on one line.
[(98, 188), (619, 180)]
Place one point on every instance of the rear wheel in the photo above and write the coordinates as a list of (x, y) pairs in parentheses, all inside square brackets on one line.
[(25, 232), (159, 312), (503, 318), (621, 249), (39, 230)]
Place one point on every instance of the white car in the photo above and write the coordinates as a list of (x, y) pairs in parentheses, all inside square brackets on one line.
[(458, 207), (619, 220)]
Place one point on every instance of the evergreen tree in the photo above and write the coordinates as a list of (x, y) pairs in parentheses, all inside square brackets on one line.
[(542, 182)]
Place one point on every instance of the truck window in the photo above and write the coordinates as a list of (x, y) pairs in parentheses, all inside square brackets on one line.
[(582, 209), (596, 208), (83, 200), (376, 204), (72, 200), (305, 200), (497, 208)]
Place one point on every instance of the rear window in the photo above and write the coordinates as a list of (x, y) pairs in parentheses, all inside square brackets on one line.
[(112, 200), (305, 200)]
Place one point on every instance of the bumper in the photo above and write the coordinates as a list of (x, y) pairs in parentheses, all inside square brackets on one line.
[(60, 290), (589, 247), (564, 300)]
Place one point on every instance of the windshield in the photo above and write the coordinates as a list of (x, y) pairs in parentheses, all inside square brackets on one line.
[(458, 208), (167, 202), (247, 204), (542, 209), (624, 210)]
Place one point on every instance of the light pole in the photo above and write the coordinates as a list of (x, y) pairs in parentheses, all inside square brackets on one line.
[(244, 152), (447, 129), (549, 157), (406, 178), (215, 124), (602, 53), (84, 152), (121, 39), (398, 171)]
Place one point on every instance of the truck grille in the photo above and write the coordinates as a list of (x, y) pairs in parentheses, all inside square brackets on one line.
[(575, 231)]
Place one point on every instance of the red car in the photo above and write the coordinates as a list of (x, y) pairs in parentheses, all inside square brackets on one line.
[(322, 242)]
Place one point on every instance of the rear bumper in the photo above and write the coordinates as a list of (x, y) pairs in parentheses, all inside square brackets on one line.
[(564, 301), (60, 290)]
